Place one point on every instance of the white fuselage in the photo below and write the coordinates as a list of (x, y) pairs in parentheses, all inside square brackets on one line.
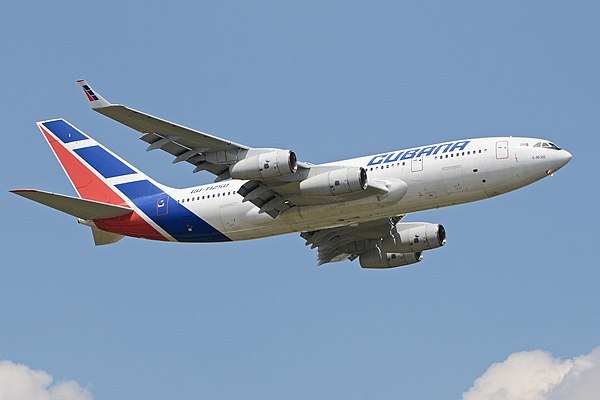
[(483, 168)]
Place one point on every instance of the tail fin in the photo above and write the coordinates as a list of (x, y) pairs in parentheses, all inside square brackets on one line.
[(94, 171)]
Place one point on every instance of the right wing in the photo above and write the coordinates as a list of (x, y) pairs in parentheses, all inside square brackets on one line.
[(349, 241)]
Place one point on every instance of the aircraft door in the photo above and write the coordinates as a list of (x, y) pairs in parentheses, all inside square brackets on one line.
[(416, 164), (453, 179), (162, 206), (229, 216), (501, 149)]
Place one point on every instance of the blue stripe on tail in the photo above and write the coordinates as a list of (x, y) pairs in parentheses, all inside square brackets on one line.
[(102, 161), (65, 132), (178, 221)]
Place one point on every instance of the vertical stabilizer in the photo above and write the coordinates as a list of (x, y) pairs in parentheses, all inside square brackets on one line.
[(94, 171)]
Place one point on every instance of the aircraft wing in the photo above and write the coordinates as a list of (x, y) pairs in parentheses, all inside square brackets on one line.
[(348, 241), (204, 151), (271, 194)]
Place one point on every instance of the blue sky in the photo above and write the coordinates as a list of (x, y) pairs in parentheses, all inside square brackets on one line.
[(330, 80)]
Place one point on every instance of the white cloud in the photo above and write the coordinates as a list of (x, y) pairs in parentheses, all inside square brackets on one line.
[(537, 375), (19, 382)]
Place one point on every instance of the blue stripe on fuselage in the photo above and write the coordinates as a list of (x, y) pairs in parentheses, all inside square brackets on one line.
[(178, 221)]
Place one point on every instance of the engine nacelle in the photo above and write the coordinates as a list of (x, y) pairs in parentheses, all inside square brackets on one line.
[(375, 258), (336, 182), (414, 237), (266, 165)]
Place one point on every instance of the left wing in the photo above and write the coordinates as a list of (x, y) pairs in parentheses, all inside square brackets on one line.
[(206, 152), (276, 180), (268, 170)]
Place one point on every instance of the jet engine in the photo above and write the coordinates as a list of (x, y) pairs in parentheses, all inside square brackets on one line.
[(272, 164), (336, 182), (376, 258), (414, 237)]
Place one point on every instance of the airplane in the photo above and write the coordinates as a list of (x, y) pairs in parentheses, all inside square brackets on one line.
[(346, 209)]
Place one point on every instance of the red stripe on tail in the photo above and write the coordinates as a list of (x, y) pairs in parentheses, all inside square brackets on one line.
[(87, 184)]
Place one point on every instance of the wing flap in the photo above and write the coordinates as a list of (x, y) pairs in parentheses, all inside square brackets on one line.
[(349, 241), (75, 206), (267, 200)]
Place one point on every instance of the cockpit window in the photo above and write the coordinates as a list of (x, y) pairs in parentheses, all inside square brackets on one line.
[(547, 145), (553, 146)]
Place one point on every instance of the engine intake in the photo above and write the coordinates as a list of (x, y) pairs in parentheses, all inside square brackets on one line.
[(414, 237), (272, 164), (335, 183)]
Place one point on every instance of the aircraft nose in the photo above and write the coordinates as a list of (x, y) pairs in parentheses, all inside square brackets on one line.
[(561, 158), (565, 157)]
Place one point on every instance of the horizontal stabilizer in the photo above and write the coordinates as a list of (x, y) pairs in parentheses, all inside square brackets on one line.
[(80, 208)]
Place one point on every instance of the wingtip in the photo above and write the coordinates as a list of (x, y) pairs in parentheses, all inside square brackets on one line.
[(95, 100), (21, 191)]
